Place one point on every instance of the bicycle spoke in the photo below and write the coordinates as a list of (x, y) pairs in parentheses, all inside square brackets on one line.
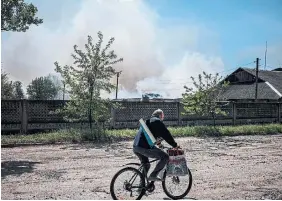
[(176, 186), (128, 184)]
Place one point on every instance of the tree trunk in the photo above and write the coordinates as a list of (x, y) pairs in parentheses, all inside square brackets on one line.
[(90, 113), (213, 116), (90, 118)]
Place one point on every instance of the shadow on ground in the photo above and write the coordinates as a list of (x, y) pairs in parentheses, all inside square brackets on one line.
[(16, 167), (186, 198), (89, 145)]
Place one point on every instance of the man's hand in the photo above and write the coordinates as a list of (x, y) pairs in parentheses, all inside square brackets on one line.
[(160, 145), (159, 142)]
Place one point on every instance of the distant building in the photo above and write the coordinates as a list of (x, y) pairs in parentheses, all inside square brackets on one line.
[(243, 85), (146, 100)]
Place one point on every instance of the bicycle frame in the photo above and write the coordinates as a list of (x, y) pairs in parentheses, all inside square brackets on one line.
[(140, 169), (145, 185)]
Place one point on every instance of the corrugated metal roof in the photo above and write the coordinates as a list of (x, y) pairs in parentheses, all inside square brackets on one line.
[(273, 77), (247, 91), (269, 86)]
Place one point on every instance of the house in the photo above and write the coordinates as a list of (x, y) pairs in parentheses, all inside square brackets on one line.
[(242, 85)]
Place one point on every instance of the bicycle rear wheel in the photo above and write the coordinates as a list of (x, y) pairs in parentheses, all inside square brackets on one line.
[(177, 187), (128, 183)]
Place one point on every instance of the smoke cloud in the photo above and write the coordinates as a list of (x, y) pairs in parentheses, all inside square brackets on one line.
[(159, 56)]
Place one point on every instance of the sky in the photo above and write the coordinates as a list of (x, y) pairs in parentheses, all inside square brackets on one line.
[(163, 42)]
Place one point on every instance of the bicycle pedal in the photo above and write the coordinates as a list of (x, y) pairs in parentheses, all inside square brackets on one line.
[(148, 193)]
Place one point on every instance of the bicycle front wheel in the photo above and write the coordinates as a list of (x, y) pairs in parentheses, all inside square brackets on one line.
[(128, 184), (177, 187)]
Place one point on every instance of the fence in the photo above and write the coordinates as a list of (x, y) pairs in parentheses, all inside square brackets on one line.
[(24, 116)]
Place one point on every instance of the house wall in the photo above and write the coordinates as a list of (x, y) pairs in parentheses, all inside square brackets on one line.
[(243, 76)]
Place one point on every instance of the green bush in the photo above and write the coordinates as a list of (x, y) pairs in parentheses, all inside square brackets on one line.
[(77, 136)]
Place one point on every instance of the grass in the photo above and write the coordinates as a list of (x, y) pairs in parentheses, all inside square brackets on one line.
[(73, 136), (48, 138)]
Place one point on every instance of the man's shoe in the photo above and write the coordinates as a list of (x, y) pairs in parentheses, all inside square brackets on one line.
[(154, 178)]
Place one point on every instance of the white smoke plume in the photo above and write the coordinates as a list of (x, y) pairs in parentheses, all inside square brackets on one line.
[(157, 58)]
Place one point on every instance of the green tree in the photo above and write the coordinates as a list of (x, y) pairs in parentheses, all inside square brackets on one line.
[(18, 90), (202, 99), (16, 15), (42, 88), (58, 84), (6, 87), (90, 76)]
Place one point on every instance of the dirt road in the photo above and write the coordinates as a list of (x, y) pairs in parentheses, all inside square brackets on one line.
[(242, 167)]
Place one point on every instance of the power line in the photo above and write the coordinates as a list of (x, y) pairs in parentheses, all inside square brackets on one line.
[(257, 69), (238, 66), (169, 81), (172, 89), (118, 73), (227, 70), (248, 63), (172, 82), (174, 79), (267, 67), (165, 81), (180, 88), (183, 89), (265, 55)]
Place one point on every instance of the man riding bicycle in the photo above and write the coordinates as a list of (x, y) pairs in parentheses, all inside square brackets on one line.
[(144, 151)]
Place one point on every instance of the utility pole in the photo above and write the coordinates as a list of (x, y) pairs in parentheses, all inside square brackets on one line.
[(64, 91), (257, 68), (265, 55), (118, 73)]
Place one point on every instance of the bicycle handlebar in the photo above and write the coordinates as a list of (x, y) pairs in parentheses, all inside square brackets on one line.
[(164, 147)]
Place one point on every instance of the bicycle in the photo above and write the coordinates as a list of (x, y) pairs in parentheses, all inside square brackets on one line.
[(143, 185)]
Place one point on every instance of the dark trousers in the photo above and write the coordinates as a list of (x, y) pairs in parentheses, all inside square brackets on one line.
[(144, 155)]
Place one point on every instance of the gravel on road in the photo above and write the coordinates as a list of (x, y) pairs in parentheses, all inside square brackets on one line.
[(241, 167)]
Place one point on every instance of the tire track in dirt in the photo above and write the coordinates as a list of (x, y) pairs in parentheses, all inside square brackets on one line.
[(241, 167)]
